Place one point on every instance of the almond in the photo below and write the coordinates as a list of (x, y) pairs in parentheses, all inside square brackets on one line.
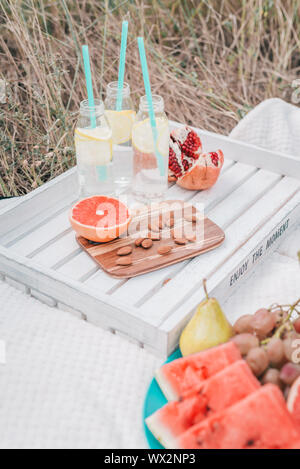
[(154, 236), (191, 237), (163, 250), (124, 261), (124, 251), (147, 243), (166, 281), (180, 241), (138, 242)]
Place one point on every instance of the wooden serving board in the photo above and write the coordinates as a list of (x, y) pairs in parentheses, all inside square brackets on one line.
[(148, 260)]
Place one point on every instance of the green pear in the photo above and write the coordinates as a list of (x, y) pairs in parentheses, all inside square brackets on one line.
[(207, 328)]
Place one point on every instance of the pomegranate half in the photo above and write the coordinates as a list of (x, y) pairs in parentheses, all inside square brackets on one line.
[(188, 165)]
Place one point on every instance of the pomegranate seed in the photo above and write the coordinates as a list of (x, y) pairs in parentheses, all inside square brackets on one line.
[(189, 151)]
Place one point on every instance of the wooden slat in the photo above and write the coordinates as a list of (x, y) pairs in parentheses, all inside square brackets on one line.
[(64, 254), (34, 241), (231, 180), (104, 282), (245, 195), (58, 251), (161, 305), (30, 211), (79, 267)]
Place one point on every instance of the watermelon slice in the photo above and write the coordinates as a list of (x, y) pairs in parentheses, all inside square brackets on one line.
[(294, 402), (217, 393), (260, 421), (178, 377), (294, 445)]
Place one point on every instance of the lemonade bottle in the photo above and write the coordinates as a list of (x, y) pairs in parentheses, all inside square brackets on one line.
[(148, 183), (94, 151), (121, 122)]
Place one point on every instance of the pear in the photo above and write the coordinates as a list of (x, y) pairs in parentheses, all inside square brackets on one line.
[(207, 328)]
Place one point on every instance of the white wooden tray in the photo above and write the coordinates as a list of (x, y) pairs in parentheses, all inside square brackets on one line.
[(256, 201)]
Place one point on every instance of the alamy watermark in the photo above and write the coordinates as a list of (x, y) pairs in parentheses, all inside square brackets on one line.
[(172, 220), (296, 353)]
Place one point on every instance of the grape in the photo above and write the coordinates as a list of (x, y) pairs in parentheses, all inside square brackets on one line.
[(245, 342), (276, 353), (243, 324), (289, 373), (263, 323), (279, 316), (272, 376), (288, 349), (297, 325), (289, 345), (258, 360)]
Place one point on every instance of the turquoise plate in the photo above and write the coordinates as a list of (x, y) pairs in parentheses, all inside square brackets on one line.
[(155, 400)]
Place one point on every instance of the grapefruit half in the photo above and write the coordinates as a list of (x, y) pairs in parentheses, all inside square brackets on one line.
[(294, 402), (100, 219)]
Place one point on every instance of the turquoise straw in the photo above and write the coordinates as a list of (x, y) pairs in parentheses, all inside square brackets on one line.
[(159, 157), (122, 65), (89, 84)]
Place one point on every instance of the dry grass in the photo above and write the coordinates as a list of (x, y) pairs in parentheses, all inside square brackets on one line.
[(212, 60)]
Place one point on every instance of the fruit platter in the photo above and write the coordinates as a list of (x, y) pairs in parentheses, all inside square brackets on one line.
[(254, 199), (239, 393)]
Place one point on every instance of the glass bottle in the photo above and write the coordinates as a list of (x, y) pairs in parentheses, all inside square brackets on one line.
[(93, 143), (148, 183), (121, 122)]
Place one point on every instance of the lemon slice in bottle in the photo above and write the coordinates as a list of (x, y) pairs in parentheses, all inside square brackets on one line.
[(142, 138), (121, 124), (94, 146)]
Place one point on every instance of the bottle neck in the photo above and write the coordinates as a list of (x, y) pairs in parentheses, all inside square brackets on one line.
[(86, 110), (112, 90), (158, 104)]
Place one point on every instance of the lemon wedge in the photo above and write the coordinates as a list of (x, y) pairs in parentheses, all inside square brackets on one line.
[(142, 138), (121, 124), (94, 146)]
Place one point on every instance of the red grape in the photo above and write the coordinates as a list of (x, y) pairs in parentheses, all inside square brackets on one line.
[(275, 351), (289, 373), (263, 323), (245, 342), (243, 324), (258, 360), (279, 316), (297, 325), (272, 376), (290, 345)]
